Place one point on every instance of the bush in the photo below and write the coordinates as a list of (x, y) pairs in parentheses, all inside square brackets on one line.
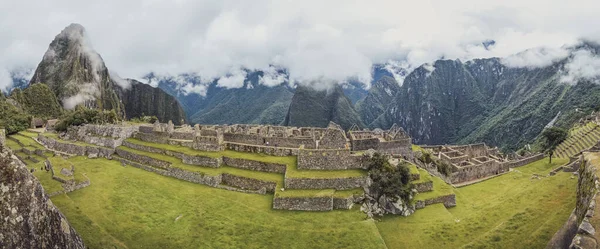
[(13, 119), (82, 115), (389, 180), (441, 166)]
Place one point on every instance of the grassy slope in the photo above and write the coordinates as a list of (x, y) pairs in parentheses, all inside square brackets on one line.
[(509, 211), (137, 209), (132, 208)]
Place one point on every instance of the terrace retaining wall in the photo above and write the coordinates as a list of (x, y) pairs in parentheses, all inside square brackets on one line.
[(447, 200), (248, 183), (326, 183), (329, 160), (254, 165), (184, 175), (303, 203), (424, 186), (75, 149), (268, 150), (143, 159), (524, 161)]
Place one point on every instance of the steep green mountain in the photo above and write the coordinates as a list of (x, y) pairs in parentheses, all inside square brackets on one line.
[(144, 100), (252, 104), (37, 100), (76, 73), (486, 101), (312, 107), (379, 97)]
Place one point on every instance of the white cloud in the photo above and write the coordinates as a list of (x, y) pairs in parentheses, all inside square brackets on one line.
[(125, 84), (318, 42), (197, 89), (87, 93), (234, 80), (582, 66), (536, 57), (272, 77)]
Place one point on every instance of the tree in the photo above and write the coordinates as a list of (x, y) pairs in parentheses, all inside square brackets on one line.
[(553, 136), (389, 180)]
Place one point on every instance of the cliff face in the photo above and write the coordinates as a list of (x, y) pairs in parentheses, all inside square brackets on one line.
[(29, 219), (144, 100), (76, 73), (311, 107)]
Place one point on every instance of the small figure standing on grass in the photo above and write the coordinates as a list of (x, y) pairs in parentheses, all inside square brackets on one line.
[(553, 136)]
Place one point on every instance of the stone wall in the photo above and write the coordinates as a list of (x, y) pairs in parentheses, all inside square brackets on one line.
[(269, 150), (333, 139), (474, 172), (143, 159), (329, 160), (102, 135), (524, 161), (248, 183), (253, 139), (343, 203), (143, 148), (303, 203), (400, 147), (254, 165), (213, 162), (447, 200), (587, 189), (146, 129), (184, 175), (424, 186), (75, 149), (292, 142), (365, 144), (326, 183), (182, 135)]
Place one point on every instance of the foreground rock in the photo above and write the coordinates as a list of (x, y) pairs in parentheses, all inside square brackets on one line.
[(29, 219)]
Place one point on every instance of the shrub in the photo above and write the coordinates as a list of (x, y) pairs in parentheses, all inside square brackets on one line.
[(12, 119), (389, 180), (82, 115)]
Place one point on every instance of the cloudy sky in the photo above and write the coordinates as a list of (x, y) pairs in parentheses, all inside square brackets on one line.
[(317, 41)]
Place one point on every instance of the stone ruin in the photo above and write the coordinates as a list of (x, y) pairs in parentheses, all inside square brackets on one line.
[(475, 161), (323, 148)]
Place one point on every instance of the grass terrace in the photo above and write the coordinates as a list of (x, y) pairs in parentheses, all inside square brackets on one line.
[(177, 163), (133, 208)]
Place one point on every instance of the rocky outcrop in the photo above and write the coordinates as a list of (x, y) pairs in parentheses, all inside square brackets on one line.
[(29, 219)]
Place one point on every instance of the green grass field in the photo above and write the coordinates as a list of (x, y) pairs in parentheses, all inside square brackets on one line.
[(126, 207), (509, 211)]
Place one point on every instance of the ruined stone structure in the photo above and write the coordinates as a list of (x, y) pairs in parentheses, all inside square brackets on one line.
[(475, 161)]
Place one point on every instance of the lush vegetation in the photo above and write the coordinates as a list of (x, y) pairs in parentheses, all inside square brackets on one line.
[(38, 100), (12, 119), (389, 180), (553, 136), (82, 115)]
